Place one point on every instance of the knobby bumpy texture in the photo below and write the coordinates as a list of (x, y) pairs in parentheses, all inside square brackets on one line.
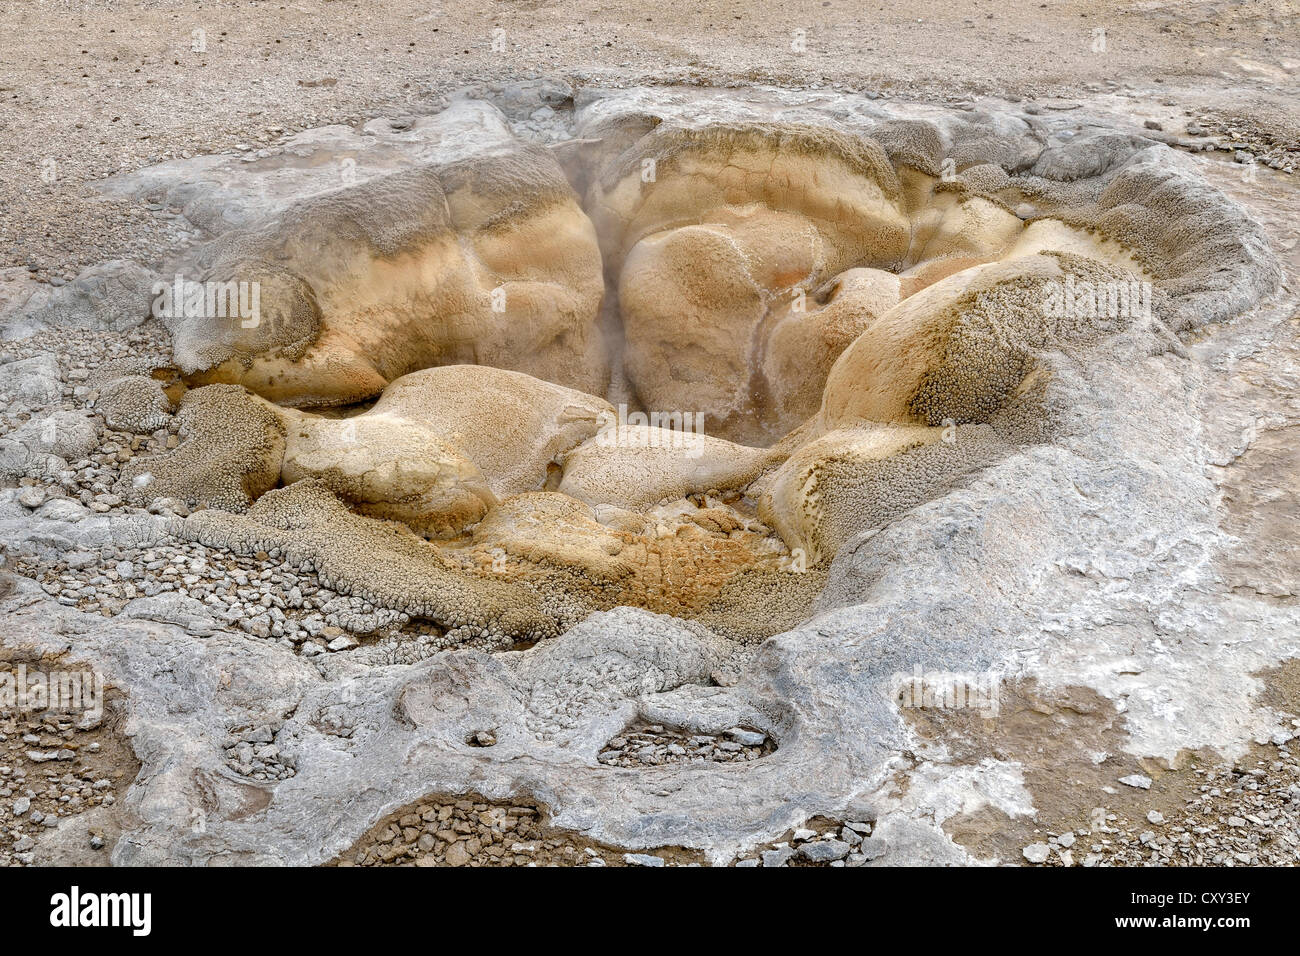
[(753, 342)]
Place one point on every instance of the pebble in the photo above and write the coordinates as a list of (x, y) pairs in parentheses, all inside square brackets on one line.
[(824, 851), (778, 857), (746, 738), (1037, 852), (32, 497)]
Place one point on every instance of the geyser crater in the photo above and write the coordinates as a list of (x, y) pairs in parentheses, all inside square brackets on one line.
[(678, 363)]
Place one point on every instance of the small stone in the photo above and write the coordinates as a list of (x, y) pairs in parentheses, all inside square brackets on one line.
[(457, 855), (22, 805), (746, 738), (1066, 840), (32, 497), (1156, 817), (824, 851), (803, 834), (873, 848), (1037, 852), (1152, 124), (778, 857), (1136, 780), (642, 859)]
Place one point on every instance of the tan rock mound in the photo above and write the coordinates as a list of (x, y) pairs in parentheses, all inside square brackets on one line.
[(959, 348), (389, 467), (441, 444), (805, 342), (861, 318), (134, 403), (951, 223), (486, 260), (730, 225), (513, 427), (805, 500)]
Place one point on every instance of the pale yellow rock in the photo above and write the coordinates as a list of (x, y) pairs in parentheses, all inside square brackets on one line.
[(389, 467), (636, 466), (441, 445), (952, 225), (803, 345), (554, 529), (513, 427), (956, 350), (880, 376), (488, 261), (689, 311), (1052, 235)]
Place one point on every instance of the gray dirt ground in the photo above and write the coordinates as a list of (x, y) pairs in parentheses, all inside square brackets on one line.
[(91, 88)]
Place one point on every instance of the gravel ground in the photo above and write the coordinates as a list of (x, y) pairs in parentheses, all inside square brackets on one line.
[(55, 767), (88, 89), (655, 746), (1242, 815), (473, 832)]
